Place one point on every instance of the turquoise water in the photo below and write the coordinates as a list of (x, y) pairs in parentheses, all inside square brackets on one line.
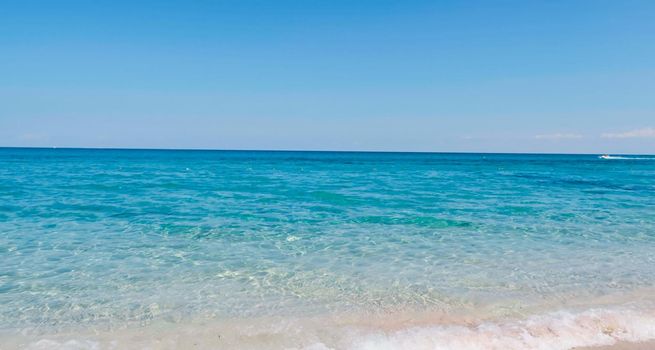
[(130, 239)]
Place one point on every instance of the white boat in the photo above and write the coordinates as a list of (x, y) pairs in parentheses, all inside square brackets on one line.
[(605, 156)]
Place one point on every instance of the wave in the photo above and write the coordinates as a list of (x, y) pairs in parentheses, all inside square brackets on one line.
[(626, 158), (562, 330), (556, 331)]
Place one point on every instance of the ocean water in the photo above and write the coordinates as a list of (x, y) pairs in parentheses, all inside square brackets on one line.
[(121, 249)]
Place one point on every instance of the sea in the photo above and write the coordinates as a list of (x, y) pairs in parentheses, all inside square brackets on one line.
[(195, 249)]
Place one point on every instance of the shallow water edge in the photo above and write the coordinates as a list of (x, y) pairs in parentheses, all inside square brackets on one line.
[(619, 326)]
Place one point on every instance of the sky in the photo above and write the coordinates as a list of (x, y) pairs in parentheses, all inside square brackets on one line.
[(442, 76)]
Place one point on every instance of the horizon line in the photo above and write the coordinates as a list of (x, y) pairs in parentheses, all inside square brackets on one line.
[(299, 150)]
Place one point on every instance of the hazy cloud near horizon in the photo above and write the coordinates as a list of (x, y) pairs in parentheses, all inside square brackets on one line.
[(636, 133), (647, 132)]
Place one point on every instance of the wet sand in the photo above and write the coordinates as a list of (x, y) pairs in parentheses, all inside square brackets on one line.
[(623, 346)]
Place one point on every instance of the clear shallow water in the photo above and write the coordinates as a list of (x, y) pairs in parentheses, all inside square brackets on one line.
[(123, 239)]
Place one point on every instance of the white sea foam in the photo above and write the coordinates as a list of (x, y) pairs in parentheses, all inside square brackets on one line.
[(562, 330), (628, 158), (553, 331)]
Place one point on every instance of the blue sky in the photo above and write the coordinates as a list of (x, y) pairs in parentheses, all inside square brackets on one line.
[(495, 76)]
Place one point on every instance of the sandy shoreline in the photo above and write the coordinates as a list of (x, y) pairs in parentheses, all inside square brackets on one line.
[(163, 343), (579, 328), (559, 330), (649, 345)]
